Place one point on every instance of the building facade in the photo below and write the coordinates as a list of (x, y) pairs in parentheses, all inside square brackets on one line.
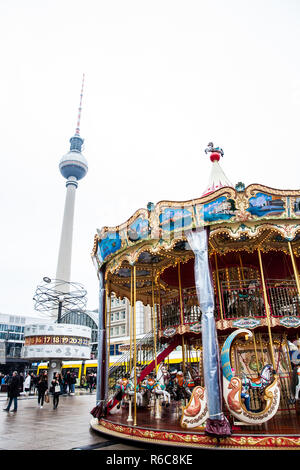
[(119, 326), (12, 341)]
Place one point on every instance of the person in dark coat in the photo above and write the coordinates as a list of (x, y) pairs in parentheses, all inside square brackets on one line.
[(68, 379), (13, 392), (55, 390), (42, 387)]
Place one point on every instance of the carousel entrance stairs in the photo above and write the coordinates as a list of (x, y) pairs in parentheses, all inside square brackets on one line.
[(161, 356), (118, 367)]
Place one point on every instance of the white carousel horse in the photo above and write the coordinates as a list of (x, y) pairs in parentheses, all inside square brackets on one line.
[(297, 390), (156, 387), (235, 389), (130, 392), (139, 392), (163, 378)]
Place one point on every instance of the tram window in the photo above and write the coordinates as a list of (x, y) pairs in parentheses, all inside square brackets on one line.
[(91, 370)]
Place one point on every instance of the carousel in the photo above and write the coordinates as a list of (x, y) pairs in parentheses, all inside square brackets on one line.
[(220, 274)]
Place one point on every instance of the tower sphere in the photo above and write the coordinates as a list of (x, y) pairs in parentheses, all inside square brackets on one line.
[(74, 163)]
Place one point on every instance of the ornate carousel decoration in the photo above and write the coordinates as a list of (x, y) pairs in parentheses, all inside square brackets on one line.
[(220, 274)]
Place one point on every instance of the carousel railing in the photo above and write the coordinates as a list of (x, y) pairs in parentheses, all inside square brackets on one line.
[(237, 299), (171, 310), (283, 297), (242, 298)]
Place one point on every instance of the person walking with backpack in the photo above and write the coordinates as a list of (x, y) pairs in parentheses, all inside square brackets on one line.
[(13, 392)]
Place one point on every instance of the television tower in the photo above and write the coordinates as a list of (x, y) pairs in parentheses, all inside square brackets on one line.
[(73, 167)]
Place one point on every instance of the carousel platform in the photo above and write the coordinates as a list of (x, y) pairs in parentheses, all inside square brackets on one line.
[(282, 432)]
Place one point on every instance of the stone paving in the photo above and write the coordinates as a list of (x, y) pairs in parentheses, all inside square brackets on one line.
[(65, 428)]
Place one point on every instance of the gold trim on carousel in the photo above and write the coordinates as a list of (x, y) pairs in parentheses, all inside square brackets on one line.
[(196, 440)]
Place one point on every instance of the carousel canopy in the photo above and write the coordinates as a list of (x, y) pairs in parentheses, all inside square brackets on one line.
[(239, 219)]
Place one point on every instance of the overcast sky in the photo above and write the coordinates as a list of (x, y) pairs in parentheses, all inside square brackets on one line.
[(162, 79)]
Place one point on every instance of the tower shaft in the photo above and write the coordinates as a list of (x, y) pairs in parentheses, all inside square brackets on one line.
[(63, 271)]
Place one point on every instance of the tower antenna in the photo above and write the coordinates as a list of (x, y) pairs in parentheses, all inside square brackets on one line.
[(77, 132)]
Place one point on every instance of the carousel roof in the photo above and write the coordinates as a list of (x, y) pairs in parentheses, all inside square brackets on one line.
[(239, 218)]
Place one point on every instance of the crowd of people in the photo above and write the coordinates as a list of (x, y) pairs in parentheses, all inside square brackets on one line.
[(16, 384)]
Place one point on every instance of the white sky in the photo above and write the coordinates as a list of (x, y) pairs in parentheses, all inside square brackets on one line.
[(163, 78)]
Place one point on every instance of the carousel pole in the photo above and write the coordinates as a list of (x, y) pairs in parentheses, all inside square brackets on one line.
[(159, 302), (296, 274), (130, 322), (242, 268), (218, 287), (255, 351), (154, 326), (102, 369), (261, 349), (181, 316), (134, 344), (109, 322), (267, 307)]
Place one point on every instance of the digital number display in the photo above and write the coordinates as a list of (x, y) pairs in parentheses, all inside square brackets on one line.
[(46, 339)]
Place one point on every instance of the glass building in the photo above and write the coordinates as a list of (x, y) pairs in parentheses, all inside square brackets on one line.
[(12, 340)]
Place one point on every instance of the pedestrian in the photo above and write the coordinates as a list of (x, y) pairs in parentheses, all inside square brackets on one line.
[(1, 380), (42, 387), (27, 383), (21, 381), (33, 383), (91, 382), (73, 383), (64, 384), (13, 392), (69, 382), (55, 390), (7, 379), (82, 381)]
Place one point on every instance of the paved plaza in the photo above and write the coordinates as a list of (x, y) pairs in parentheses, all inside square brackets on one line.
[(65, 428)]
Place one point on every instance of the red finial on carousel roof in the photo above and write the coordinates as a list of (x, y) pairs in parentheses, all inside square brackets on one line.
[(215, 152), (217, 178)]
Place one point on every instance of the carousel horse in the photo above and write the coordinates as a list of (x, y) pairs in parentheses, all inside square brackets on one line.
[(195, 377), (236, 391), (151, 386), (261, 382), (163, 375), (163, 378), (181, 388), (139, 393), (295, 384), (122, 388)]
